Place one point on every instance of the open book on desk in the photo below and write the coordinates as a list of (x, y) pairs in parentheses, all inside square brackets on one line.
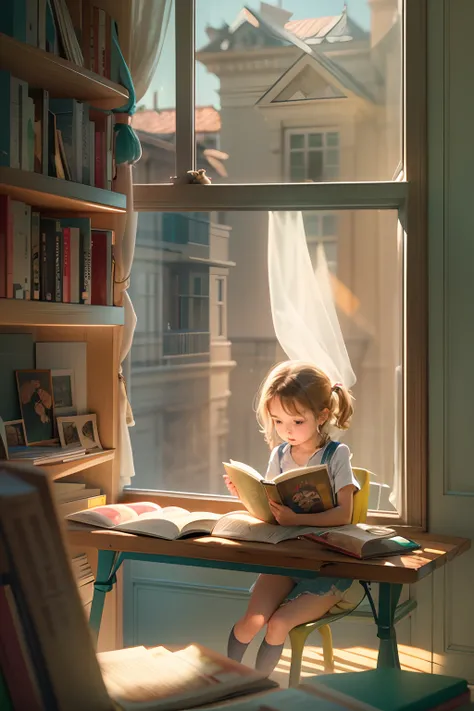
[(363, 541), (304, 490), (160, 680)]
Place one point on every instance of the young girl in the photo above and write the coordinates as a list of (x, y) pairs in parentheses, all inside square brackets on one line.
[(297, 405)]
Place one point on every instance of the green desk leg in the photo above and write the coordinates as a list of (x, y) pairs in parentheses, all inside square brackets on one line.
[(107, 565), (389, 595)]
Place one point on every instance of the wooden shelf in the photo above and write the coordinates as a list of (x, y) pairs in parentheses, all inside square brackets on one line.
[(58, 471), (47, 193), (61, 78), (45, 313)]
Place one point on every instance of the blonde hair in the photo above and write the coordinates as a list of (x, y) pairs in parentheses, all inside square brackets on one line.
[(298, 386)]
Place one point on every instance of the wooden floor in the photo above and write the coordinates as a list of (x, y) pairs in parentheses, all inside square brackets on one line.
[(350, 660)]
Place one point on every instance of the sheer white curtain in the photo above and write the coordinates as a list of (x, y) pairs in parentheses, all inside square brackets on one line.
[(149, 22), (302, 302)]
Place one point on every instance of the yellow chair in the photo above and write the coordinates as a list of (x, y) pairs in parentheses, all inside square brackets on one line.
[(300, 634)]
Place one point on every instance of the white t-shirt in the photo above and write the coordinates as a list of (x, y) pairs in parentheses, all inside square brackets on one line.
[(339, 468)]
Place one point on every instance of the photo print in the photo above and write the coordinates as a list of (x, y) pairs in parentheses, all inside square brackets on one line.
[(35, 392), (79, 429)]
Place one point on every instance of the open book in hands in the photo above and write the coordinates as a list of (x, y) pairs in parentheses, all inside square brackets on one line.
[(304, 490)]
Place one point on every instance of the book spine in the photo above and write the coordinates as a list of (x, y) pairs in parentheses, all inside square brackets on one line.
[(51, 34), (51, 144), (21, 215), (101, 43), (71, 507), (109, 267), (75, 243), (95, 40), (66, 265), (23, 125), (108, 46), (35, 255), (9, 251), (91, 153), (99, 162), (4, 218), (99, 268), (58, 271), (13, 19), (86, 256), (48, 259), (42, 24), (109, 132), (32, 22), (86, 148), (31, 133)]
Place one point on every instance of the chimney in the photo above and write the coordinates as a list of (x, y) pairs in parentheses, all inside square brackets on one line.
[(276, 15), (155, 101), (383, 17)]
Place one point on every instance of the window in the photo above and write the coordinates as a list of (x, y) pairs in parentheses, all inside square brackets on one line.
[(312, 155), (315, 116)]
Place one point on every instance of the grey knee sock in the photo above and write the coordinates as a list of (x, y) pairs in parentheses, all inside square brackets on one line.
[(268, 656), (236, 649)]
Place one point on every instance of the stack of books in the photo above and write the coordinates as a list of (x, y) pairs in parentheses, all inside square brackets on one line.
[(54, 259), (76, 496)]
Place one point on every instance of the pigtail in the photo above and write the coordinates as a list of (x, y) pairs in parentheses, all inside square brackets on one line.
[(341, 410)]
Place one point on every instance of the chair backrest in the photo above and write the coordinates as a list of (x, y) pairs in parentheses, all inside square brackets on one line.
[(361, 497)]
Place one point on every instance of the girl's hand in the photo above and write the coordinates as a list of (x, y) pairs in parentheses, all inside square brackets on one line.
[(232, 490), (283, 514)]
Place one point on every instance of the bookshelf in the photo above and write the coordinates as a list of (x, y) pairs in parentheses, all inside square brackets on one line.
[(63, 469), (61, 78), (99, 327), (45, 193)]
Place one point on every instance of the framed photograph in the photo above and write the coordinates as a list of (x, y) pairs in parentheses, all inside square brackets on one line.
[(79, 429), (15, 433), (35, 392), (64, 392)]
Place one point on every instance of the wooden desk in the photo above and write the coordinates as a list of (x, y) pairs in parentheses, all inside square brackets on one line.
[(296, 558)]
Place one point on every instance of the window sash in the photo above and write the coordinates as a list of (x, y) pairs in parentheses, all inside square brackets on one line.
[(407, 195)]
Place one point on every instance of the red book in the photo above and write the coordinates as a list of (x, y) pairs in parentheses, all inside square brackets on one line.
[(4, 222), (99, 268), (67, 265), (14, 657)]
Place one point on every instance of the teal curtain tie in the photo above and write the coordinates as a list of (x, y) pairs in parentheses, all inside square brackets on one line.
[(127, 145)]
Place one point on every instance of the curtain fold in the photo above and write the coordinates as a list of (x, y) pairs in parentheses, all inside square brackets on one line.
[(303, 310), (149, 21)]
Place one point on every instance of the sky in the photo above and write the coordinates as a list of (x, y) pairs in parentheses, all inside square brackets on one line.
[(215, 13)]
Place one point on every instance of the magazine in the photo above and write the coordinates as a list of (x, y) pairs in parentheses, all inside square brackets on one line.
[(304, 490), (154, 679)]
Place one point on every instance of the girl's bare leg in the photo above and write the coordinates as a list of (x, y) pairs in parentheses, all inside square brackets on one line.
[(304, 608), (267, 596)]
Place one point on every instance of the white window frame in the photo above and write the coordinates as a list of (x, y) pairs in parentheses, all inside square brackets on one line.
[(306, 132), (406, 194)]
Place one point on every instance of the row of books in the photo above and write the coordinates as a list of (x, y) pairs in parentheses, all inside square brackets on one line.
[(53, 259), (73, 29), (61, 138)]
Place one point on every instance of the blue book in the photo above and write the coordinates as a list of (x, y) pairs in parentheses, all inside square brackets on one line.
[(13, 19)]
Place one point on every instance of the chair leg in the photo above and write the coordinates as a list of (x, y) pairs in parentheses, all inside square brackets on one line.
[(326, 634), (298, 640)]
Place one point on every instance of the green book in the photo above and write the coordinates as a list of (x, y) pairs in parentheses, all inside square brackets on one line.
[(389, 689)]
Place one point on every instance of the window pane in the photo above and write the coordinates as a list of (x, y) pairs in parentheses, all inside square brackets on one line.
[(192, 390), (271, 80), (155, 119), (296, 140)]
